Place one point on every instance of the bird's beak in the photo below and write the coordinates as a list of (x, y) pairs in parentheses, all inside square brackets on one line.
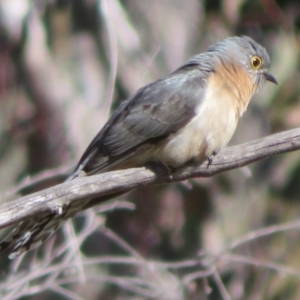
[(271, 78)]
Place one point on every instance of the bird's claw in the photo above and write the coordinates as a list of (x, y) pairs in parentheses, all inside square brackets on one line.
[(210, 160)]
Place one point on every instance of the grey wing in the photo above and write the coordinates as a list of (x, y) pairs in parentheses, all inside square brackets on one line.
[(150, 115)]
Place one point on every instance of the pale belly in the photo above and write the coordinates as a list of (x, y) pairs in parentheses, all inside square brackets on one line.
[(204, 136)]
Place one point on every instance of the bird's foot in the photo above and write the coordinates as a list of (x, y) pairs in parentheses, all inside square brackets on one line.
[(210, 159), (159, 167)]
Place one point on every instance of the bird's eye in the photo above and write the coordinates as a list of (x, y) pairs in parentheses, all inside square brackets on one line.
[(255, 62)]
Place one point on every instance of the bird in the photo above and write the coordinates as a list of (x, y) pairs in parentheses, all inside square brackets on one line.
[(186, 117)]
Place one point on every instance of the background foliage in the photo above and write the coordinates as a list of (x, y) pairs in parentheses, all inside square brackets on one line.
[(63, 65)]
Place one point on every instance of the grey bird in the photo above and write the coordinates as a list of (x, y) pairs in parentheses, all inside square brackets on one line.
[(187, 116)]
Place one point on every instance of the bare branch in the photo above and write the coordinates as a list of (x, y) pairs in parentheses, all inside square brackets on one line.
[(108, 185)]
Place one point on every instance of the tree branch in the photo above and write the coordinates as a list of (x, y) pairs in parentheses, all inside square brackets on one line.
[(108, 185)]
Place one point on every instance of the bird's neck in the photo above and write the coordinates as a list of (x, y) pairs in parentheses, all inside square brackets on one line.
[(239, 83)]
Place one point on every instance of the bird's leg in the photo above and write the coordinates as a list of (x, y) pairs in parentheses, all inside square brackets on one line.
[(210, 159), (169, 169), (158, 166)]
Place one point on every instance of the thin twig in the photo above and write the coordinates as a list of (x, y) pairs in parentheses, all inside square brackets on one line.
[(220, 285), (261, 264), (254, 235)]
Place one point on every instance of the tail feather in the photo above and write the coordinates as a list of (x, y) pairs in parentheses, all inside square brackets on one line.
[(31, 233)]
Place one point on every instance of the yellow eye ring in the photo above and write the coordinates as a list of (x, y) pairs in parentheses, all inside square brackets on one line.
[(255, 62)]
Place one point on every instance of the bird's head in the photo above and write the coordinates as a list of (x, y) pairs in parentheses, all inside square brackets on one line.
[(249, 54)]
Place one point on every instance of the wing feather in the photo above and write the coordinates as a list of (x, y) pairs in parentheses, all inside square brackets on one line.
[(151, 114)]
